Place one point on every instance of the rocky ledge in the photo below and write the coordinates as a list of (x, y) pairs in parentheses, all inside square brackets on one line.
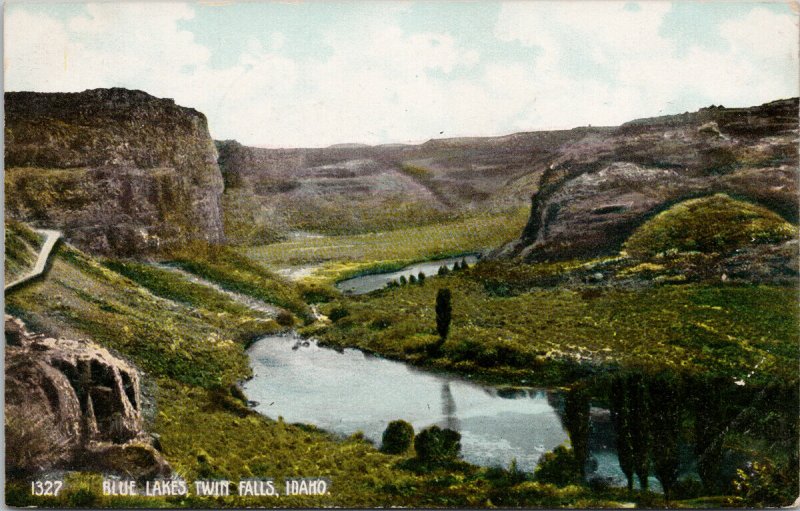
[(119, 171), (71, 404), (596, 191)]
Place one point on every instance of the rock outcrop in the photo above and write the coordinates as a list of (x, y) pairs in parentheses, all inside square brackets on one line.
[(72, 404), (599, 189), (119, 171)]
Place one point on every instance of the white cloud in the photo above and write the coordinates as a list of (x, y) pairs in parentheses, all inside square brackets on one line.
[(596, 62)]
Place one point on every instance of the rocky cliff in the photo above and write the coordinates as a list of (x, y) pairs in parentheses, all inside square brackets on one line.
[(119, 171), (357, 188), (597, 190), (72, 404)]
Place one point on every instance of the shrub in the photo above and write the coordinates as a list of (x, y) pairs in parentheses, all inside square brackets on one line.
[(397, 437), (285, 318), (436, 445), (559, 467), (338, 313)]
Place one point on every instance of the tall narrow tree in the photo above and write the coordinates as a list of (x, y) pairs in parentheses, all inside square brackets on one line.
[(444, 313), (620, 417), (576, 418)]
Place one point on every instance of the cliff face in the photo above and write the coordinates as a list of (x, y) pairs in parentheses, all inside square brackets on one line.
[(119, 171), (356, 188), (72, 404), (597, 190)]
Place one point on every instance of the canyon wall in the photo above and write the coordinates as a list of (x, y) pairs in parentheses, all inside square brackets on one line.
[(119, 171)]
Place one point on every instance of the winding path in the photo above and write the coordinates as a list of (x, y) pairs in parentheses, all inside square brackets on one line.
[(51, 237)]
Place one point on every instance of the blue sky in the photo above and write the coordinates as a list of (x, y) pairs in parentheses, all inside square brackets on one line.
[(282, 74)]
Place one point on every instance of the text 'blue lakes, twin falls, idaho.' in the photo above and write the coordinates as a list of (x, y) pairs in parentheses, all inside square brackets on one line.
[(217, 487)]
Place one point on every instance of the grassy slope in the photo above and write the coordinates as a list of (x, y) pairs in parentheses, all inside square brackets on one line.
[(237, 273), (22, 248), (537, 334), (339, 257)]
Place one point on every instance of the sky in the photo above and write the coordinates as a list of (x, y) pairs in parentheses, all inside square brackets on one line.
[(311, 74)]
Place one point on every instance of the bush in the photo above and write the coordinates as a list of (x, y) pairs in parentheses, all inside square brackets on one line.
[(285, 318), (436, 445), (338, 313), (397, 437), (559, 467)]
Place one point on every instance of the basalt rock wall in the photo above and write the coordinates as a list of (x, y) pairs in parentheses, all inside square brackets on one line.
[(119, 171), (599, 189)]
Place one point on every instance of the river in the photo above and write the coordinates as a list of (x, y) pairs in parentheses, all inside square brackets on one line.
[(350, 391), (366, 283)]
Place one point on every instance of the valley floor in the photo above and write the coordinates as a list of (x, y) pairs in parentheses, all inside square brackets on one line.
[(190, 341)]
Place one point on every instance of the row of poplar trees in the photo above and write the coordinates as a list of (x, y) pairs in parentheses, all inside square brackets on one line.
[(649, 414)]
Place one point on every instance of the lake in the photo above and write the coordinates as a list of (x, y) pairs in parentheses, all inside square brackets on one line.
[(350, 391)]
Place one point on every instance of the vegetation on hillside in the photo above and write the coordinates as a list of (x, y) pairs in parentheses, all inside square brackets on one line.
[(22, 248), (339, 257), (715, 224)]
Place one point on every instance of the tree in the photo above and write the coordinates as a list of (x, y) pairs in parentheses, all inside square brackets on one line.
[(464, 264), (421, 278), (444, 312), (436, 445), (710, 419), (620, 416), (666, 398), (576, 419), (403, 280), (397, 437), (443, 270), (640, 427), (412, 279)]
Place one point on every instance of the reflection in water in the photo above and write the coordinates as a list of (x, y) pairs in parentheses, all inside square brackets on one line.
[(449, 408)]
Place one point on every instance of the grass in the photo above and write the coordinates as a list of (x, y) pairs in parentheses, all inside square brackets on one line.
[(339, 257), (237, 273), (22, 249), (81, 297), (554, 334)]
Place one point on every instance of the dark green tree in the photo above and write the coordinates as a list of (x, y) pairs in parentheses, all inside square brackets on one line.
[(464, 264), (444, 313), (620, 416), (421, 277), (397, 437), (576, 420), (666, 410), (443, 270), (640, 427), (412, 279), (403, 280), (710, 419)]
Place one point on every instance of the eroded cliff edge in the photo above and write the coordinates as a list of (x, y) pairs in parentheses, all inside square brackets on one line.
[(119, 171), (599, 189), (71, 404)]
